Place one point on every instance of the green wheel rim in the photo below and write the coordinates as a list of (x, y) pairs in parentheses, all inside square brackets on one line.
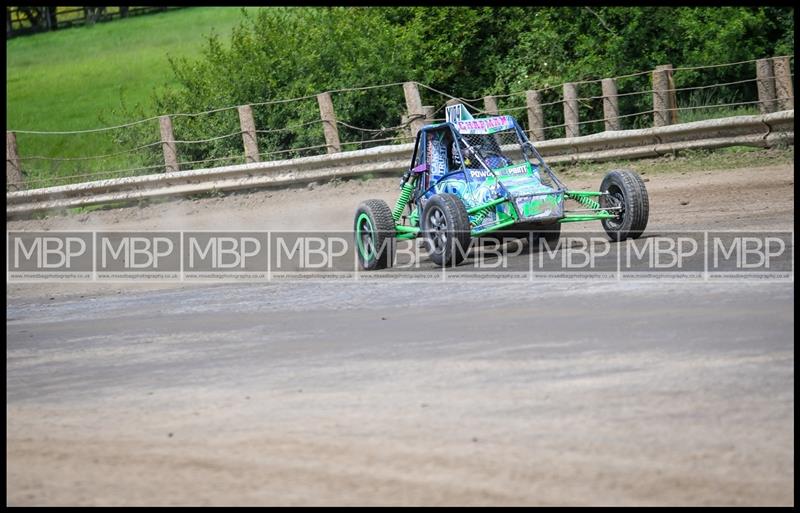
[(366, 253)]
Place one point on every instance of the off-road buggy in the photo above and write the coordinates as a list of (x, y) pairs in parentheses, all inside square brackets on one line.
[(473, 177)]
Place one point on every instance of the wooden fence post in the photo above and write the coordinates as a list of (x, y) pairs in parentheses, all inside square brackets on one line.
[(428, 110), (13, 173), (406, 130), (490, 105), (766, 86), (328, 116), (168, 144), (783, 83), (414, 105), (664, 98), (249, 139), (610, 104), (535, 115), (571, 110)]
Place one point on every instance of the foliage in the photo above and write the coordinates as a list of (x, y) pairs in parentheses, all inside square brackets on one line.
[(278, 53), (465, 51), (285, 53)]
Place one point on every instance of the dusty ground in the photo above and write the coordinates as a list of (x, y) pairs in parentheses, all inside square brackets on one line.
[(624, 394), (744, 197), (758, 199), (363, 394)]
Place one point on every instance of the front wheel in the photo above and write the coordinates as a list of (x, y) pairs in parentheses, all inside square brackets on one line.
[(374, 235), (627, 199), (446, 230)]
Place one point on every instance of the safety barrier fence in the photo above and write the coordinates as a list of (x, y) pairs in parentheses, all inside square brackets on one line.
[(763, 130)]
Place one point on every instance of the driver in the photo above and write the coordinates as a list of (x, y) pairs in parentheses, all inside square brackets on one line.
[(490, 156), (456, 157), (490, 151)]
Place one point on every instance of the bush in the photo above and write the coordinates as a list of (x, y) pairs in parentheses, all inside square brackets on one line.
[(282, 53)]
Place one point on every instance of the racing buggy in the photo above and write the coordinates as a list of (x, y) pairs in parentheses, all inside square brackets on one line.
[(470, 177)]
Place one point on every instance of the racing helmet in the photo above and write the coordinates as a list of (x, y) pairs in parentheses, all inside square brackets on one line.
[(457, 156)]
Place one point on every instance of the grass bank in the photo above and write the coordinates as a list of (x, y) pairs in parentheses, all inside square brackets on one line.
[(75, 79)]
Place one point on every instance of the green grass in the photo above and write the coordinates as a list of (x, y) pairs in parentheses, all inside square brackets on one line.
[(687, 116), (65, 80), (733, 157), (700, 104), (74, 79)]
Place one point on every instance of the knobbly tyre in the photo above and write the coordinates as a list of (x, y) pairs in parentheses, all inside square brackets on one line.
[(472, 177)]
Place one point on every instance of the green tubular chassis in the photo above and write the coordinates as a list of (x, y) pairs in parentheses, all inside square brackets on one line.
[(412, 230), (462, 182)]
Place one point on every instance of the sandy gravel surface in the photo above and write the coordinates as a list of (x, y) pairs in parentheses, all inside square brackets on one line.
[(757, 199), (376, 394)]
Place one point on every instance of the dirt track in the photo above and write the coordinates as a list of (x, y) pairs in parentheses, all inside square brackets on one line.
[(733, 198), (349, 393), (761, 198)]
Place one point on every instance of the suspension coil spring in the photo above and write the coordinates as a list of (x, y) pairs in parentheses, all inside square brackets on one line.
[(481, 214), (402, 201), (586, 201)]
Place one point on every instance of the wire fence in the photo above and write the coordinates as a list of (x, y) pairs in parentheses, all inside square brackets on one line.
[(297, 127)]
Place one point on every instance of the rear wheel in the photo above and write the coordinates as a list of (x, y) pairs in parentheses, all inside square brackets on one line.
[(627, 197), (374, 235), (446, 230)]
